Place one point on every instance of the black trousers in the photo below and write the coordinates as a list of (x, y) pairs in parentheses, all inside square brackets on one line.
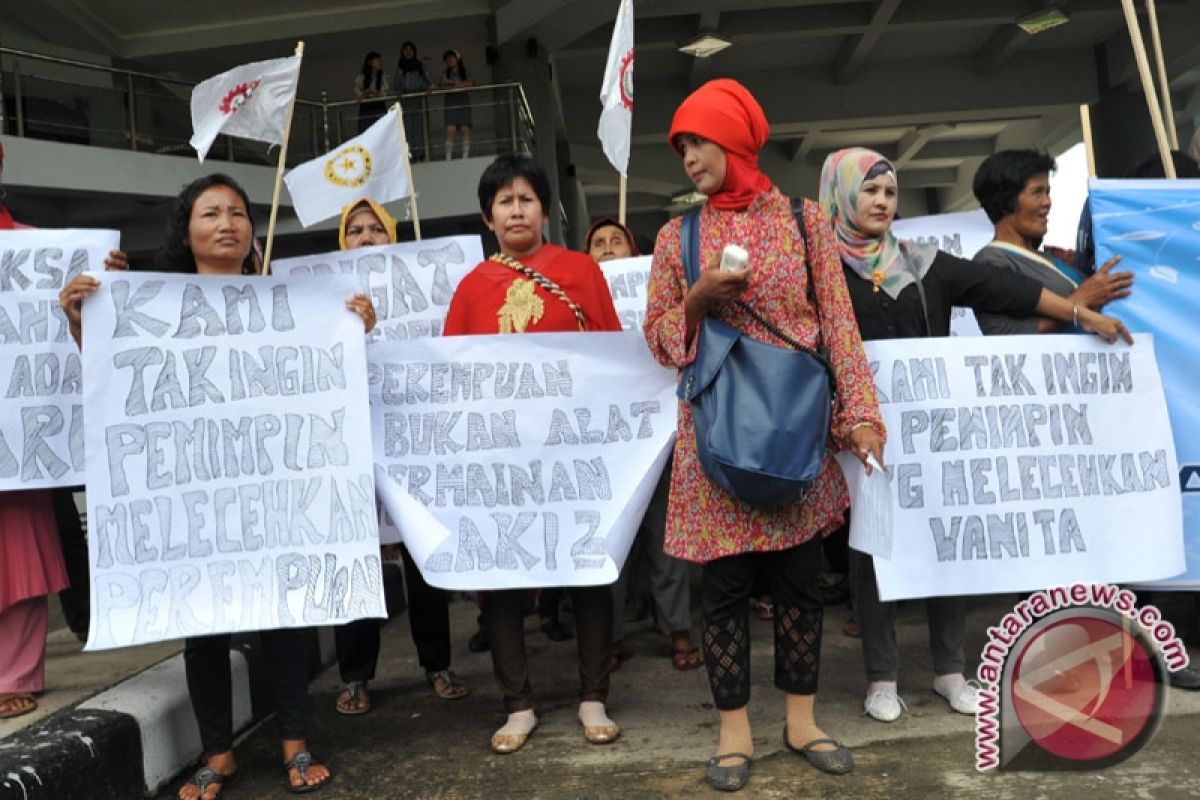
[(210, 687), (791, 577), (504, 613), (75, 600), (357, 642)]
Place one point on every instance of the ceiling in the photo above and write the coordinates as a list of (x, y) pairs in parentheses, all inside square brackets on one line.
[(936, 85)]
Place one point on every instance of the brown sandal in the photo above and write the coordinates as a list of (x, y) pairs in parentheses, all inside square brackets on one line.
[(447, 685), (686, 658), (354, 699), (17, 704)]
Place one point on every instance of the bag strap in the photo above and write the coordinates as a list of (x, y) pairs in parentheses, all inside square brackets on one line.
[(541, 280), (690, 243)]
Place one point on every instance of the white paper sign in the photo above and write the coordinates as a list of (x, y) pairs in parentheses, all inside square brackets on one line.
[(627, 281), (230, 484), (41, 410), (1023, 462), (962, 234), (410, 283), (870, 505), (519, 461)]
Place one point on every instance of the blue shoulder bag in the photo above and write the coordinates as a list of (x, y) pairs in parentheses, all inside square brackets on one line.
[(762, 413)]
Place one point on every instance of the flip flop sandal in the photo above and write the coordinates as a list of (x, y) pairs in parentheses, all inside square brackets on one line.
[(447, 685), (301, 763), (682, 659), (18, 704), (207, 776), (357, 696)]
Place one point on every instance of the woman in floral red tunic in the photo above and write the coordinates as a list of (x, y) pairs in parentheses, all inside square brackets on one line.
[(718, 131)]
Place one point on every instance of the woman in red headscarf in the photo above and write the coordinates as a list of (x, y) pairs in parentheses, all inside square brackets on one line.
[(718, 131)]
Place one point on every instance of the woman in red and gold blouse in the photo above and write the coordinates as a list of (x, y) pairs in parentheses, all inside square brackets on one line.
[(718, 131), (532, 286)]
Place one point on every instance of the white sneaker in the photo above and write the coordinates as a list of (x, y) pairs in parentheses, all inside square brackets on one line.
[(964, 700), (884, 705)]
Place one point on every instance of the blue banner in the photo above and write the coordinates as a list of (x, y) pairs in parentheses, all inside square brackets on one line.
[(1154, 225)]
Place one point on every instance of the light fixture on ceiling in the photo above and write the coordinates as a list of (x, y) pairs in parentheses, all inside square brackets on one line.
[(1044, 20), (704, 45)]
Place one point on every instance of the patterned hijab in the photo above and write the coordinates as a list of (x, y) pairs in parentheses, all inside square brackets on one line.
[(882, 260)]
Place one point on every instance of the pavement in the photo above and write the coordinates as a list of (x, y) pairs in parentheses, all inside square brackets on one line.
[(137, 738)]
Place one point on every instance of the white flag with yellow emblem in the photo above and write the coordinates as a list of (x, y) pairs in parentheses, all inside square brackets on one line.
[(371, 164)]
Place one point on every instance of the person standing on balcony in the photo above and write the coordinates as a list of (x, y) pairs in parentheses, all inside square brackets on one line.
[(458, 104), (369, 85), (412, 77)]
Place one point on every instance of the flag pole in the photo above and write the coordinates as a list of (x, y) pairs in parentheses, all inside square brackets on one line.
[(287, 131), (1143, 65), (1163, 84), (412, 187), (621, 203), (1085, 122)]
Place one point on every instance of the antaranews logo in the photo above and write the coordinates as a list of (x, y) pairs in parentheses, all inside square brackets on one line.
[(1073, 678)]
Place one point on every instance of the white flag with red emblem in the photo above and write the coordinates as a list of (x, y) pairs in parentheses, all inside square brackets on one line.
[(616, 92), (371, 164), (250, 101)]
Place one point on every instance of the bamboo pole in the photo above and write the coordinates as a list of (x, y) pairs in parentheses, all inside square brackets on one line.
[(412, 188), (1085, 122), (1143, 65), (1164, 85), (621, 202), (283, 148)]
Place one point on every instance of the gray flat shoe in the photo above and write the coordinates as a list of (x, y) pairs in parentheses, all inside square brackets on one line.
[(727, 779), (835, 762)]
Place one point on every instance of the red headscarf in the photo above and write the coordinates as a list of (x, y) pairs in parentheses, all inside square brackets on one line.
[(724, 111)]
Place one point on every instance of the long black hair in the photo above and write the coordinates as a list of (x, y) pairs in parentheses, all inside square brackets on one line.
[(369, 73), (409, 64), (462, 70), (176, 255)]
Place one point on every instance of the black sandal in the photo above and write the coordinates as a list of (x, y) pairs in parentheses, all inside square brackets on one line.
[(301, 762), (207, 776), (727, 779)]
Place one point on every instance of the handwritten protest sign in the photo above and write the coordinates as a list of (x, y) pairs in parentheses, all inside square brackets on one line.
[(519, 461), (1152, 225), (41, 416), (1016, 464), (627, 281), (962, 234), (410, 283), (230, 484)]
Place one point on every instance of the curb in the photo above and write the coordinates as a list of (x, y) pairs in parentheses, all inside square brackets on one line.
[(132, 739)]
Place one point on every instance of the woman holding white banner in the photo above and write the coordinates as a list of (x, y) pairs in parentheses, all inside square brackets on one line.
[(718, 131), (1013, 186), (904, 291), (210, 232), (532, 286), (365, 223)]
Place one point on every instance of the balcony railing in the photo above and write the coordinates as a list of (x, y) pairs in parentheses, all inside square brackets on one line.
[(61, 99)]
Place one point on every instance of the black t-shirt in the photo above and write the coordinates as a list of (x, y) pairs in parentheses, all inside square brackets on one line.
[(950, 281)]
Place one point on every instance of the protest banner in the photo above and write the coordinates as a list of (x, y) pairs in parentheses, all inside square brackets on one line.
[(962, 234), (41, 416), (627, 281), (230, 484), (1015, 466), (519, 461), (410, 283), (1152, 225)]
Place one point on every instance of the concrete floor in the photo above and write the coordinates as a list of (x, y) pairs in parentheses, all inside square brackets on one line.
[(412, 745)]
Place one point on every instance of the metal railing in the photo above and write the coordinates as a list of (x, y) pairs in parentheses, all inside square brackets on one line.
[(62, 99)]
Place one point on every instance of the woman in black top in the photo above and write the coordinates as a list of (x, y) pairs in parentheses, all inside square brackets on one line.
[(902, 291)]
